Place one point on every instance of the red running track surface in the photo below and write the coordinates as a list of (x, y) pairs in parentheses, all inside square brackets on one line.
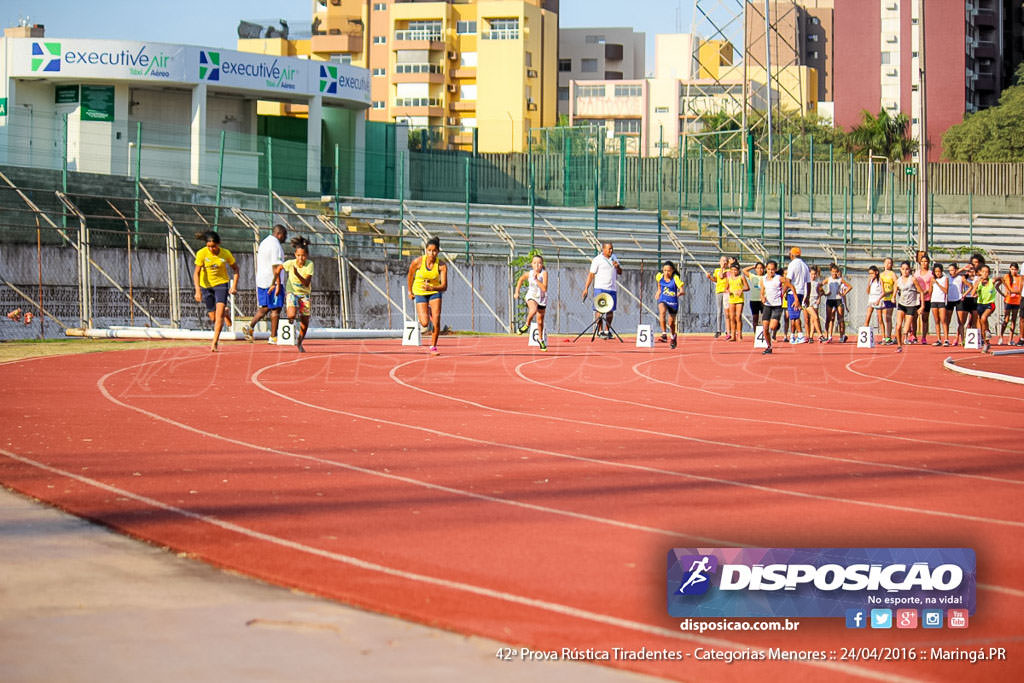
[(531, 497)]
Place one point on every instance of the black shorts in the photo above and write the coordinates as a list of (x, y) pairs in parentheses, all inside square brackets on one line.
[(1011, 308), (833, 303), (969, 304), (986, 307), (952, 305), (215, 295), (908, 310), (927, 306), (771, 313), (756, 307)]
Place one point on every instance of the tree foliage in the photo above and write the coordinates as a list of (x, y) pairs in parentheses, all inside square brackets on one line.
[(994, 134), (882, 135)]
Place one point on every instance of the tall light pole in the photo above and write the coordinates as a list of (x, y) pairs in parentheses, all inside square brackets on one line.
[(922, 173)]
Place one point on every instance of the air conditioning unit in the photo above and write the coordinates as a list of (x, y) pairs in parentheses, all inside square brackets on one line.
[(531, 73), (531, 105)]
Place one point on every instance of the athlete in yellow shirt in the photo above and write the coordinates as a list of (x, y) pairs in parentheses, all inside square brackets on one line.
[(428, 279), (213, 286), (298, 288)]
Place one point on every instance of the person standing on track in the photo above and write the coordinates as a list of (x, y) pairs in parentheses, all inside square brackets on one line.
[(812, 320), (984, 290), (720, 277), (755, 292), (773, 290), (954, 299), (799, 276), (924, 279), (737, 285), (604, 273), (428, 280), (836, 287), (213, 286), (888, 279), (1009, 286), (940, 291), (269, 292), (536, 297), (874, 291), (908, 300), (299, 288), (670, 288)]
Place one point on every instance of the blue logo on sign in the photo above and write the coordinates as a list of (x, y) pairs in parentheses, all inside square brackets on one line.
[(931, 618), (209, 65), (881, 618), (696, 580), (856, 618)]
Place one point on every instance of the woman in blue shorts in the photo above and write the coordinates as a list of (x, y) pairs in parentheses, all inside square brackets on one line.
[(428, 279), (670, 288)]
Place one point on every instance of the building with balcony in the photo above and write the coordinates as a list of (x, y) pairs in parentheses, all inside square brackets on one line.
[(475, 72), (598, 54)]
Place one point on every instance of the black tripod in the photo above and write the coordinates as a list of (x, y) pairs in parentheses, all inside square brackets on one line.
[(596, 326)]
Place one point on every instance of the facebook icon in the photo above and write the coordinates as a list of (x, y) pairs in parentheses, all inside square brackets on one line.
[(856, 618)]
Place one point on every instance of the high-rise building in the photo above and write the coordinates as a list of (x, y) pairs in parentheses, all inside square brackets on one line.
[(964, 69), (597, 54), (449, 65), (795, 33)]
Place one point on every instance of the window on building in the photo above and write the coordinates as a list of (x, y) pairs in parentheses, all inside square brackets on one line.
[(378, 104), (886, 58), (380, 6), (629, 91), (813, 37), (380, 40), (627, 126), (588, 66), (342, 58), (661, 110), (528, 58), (502, 29), (464, 27), (563, 94), (594, 40), (590, 91), (379, 72), (565, 65), (814, 54), (816, 21)]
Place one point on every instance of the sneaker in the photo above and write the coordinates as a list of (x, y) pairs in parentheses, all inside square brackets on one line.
[(767, 352), (717, 335), (434, 351), (672, 344), (887, 340), (543, 345), (987, 348), (299, 347), (523, 329), (912, 340), (999, 342), (272, 340), (821, 339), (936, 343), (247, 333), (663, 338), (899, 349), (801, 339), (945, 343), (842, 339), (1020, 342)]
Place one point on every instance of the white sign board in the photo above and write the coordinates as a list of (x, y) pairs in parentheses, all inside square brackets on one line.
[(865, 338), (287, 333), (972, 338), (759, 339), (534, 337), (411, 333), (644, 337)]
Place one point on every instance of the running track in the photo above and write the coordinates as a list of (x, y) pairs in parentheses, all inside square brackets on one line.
[(532, 497)]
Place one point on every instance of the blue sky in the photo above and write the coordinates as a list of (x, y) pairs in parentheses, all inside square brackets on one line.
[(214, 22)]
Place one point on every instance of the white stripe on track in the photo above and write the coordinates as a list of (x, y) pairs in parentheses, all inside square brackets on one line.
[(976, 394), (656, 470), (545, 605)]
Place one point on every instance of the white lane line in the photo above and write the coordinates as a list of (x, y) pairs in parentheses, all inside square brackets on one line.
[(536, 603), (951, 364), (843, 411), (656, 470), (932, 388), (781, 423)]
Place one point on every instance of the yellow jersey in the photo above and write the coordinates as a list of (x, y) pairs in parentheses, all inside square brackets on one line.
[(888, 280), (214, 267), (294, 284), (425, 275), (721, 280), (735, 285)]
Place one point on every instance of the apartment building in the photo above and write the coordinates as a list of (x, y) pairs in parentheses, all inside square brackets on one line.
[(793, 33), (450, 65), (607, 53)]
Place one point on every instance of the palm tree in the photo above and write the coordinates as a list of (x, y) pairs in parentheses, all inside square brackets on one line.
[(883, 135)]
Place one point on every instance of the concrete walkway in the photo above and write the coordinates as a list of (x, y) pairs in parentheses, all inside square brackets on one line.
[(81, 603)]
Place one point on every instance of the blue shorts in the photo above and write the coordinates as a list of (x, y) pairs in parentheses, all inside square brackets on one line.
[(264, 299), (672, 308), (427, 298), (215, 295), (615, 298)]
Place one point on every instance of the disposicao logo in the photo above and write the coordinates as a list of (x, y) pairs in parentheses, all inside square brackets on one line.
[(209, 65), (816, 582), (45, 55)]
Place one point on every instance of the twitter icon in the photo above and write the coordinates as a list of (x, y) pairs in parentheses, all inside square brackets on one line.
[(881, 618)]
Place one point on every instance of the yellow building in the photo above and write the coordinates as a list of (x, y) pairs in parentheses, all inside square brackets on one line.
[(451, 66)]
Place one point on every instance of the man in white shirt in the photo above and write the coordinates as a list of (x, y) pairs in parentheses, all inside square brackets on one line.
[(269, 290), (799, 276), (604, 273)]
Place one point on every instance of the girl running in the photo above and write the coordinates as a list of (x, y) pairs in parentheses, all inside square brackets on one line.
[(835, 288), (428, 280), (736, 285), (210, 278), (875, 292), (924, 279), (755, 291), (940, 291), (811, 306), (536, 297), (1009, 286), (670, 288), (298, 288), (954, 296), (908, 300), (774, 289), (984, 290)]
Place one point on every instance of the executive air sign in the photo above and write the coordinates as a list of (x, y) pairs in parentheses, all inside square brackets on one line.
[(79, 59)]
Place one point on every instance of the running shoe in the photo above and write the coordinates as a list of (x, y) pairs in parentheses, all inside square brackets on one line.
[(717, 335), (299, 347), (1020, 342), (912, 340), (887, 341), (767, 352), (434, 351), (999, 342), (987, 348), (672, 344), (936, 343), (899, 349), (801, 339), (543, 345), (821, 339), (946, 343), (247, 333), (842, 339), (524, 329), (663, 338), (924, 341), (272, 340)]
